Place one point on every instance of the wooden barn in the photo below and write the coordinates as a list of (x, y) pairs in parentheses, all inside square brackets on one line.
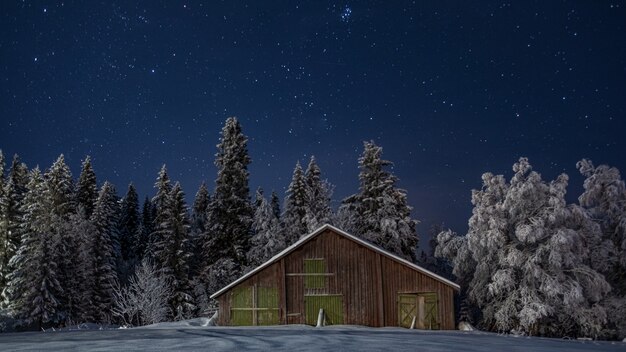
[(353, 281)]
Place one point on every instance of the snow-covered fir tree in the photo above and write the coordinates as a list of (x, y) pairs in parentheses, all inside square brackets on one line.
[(87, 188), (173, 251), (33, 287), (295, 208), (268, 239), (128, 230), (380, 209), (148, 214), (162, 213), (275, 204), (604, 198), (11, 215), (60, 193), (526, 258), (229, 214), (103, 249), (318, 195), (198, 228)]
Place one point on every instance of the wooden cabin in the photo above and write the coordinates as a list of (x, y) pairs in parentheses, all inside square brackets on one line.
[(353, 281)]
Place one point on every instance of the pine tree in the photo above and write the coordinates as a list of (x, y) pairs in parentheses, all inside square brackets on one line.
[(87, 189), (381, 211), (294, 216), (11, 215), (319, 192), (162, 209), (33, 284), (268, 239), (229, 214), (103, 244), (82, 230), (128, 229)]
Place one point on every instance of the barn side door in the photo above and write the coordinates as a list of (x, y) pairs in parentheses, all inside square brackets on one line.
[(332, 305), (421, 306)]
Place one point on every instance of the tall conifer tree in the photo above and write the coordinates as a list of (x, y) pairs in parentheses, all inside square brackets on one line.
[(229, 214)]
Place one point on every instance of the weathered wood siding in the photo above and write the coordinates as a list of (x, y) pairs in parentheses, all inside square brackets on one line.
[(368, 281)]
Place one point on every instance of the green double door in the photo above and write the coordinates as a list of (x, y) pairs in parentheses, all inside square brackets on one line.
[(254, 306), (423, 307), (332, 305)]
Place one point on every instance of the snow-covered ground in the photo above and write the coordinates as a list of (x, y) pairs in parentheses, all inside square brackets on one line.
[(195, 335)]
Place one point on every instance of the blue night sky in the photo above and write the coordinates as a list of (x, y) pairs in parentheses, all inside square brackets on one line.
[(449, 89)]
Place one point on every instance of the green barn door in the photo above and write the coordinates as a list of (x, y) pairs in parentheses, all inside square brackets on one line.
[(407, 309), (254, 306), (421, 306), (332, 305), (431, 311)]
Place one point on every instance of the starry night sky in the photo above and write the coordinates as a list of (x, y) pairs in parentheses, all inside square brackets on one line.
[(449, 89)]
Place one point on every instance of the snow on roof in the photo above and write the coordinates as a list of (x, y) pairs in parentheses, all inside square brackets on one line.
[(320, 230)]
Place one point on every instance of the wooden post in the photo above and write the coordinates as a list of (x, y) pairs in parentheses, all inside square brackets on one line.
[(254, 306), (320, 318), (413, 323)]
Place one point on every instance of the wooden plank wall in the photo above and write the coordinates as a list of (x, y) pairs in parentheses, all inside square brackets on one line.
[(359, 273)]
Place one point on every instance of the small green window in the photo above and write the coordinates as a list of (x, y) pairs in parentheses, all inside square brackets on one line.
[(315, 273)]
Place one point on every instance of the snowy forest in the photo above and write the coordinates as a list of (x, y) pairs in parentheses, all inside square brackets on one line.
[(73, 253), (530, 263)]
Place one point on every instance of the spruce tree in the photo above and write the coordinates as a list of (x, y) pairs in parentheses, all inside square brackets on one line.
[(198, 227), (294, 216), (275, 204), (34, 288), (229, 214), (173, 253), (268, 239), (128, 229), (318, 192), (148, 213), (162, 209), (103, 244), (380, 209), (11, 215), (60, 193), (87, 189)]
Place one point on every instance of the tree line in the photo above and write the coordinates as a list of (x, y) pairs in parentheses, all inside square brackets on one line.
[(73, 252)]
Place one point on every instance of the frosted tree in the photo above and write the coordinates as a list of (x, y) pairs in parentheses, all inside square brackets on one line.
[(103, 245), (268, 239), (162, 213), (295, 208), (11, 215), (229, 214), (173, 251), (380, 210), (525, 258), (87, 188), (604, 198), (145, 299), (318, 194), (128, 229), (33, 283)]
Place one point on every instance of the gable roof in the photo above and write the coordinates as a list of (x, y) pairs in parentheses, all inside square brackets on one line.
[(319, 231)]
